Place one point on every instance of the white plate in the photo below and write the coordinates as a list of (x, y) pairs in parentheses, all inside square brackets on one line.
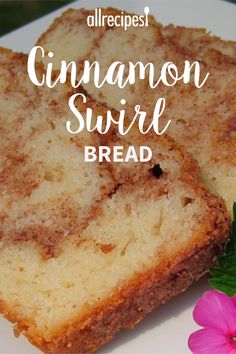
[(166, 330)]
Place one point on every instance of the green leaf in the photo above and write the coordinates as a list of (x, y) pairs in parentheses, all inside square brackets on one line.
[(228, 288), (224, 274)]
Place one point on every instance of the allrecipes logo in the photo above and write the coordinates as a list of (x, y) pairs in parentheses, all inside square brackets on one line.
[(120, 20)]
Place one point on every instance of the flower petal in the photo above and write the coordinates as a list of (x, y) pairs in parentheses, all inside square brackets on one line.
[(234, 299), (208, 341), (233, 350), (216, 311)]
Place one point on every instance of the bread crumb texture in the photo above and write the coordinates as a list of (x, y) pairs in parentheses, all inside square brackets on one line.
[(88, 249)]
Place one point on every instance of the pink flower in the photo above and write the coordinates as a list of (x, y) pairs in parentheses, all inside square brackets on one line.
[(216, 313)]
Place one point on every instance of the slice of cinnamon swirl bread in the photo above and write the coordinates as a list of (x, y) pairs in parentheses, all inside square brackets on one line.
[(88, 248)]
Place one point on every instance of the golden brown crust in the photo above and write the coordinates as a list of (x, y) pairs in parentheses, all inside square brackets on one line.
[(199, 39), (147, 295), (137, 299)]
